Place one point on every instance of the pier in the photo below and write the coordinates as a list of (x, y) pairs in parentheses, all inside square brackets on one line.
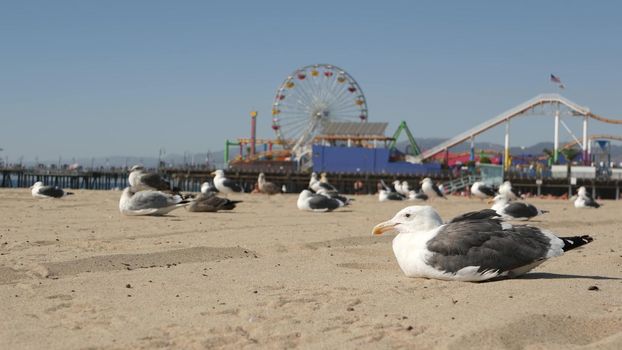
[(190, 180)]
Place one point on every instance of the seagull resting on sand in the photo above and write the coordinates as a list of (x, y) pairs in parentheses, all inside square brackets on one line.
[(473, 247), (149, 202), (140, 180), (267, 187), (584, 200), (39, 190)]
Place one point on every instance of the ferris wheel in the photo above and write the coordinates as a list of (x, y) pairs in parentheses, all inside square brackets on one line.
[(311, 97)]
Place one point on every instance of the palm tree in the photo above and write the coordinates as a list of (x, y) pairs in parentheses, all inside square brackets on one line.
[(570, 154), (550, 156)]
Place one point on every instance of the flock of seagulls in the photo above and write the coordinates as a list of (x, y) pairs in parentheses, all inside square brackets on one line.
[(400, 191), (321, 196), (475, 246)]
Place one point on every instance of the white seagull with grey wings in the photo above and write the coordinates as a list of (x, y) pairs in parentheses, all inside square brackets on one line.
[(39, 190), (430, 189), (224, 185), (136, 203), (472, 247), (141, 180)]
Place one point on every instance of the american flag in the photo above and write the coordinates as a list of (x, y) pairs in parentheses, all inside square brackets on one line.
[(556, 80)]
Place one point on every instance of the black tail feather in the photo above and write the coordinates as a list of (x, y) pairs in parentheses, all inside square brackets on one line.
[(576, 241), (68, 193)]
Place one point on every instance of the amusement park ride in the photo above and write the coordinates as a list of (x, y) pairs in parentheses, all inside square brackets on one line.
[(318, 97), (308, 99)]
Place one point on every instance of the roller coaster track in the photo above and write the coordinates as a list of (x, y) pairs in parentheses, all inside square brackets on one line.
[(596, 137), (603, 119), (520, 110)]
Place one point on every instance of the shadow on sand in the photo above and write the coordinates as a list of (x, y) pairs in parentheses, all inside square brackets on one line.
[(545, 275)]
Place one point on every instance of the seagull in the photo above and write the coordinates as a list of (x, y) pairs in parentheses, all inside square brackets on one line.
[(397, 186), (515, 210), (308, 200), (417, 195), (208, 187), (209, 202), (506, 190), (384, 195), (267, 187), (473, 247), (317, 185), (584, 200), (149, 202), (405, 187), (223, 184), (140, 180), (428, 187), (481, 191), (39, 190)]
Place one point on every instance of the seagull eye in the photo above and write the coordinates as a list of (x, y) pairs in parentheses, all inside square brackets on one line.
[(407, 215)]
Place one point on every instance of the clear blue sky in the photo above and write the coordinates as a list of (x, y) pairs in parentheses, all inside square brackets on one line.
[(100, 78)]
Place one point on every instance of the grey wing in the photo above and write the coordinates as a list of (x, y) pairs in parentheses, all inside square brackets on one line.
[(327, 186), (476, 215), (520, 210), (487, 191), (150, 200), (386, 187), (590, 202), (323, 202), (394, 196), (270, 187), (204, 204), (232, 185), (51, 191), (155, 181), (486, 244), (437, 190)]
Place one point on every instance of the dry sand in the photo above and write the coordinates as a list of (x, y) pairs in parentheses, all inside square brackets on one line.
[(75, 274)]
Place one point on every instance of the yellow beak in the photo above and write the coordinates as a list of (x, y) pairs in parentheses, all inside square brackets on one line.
[(383, 227)]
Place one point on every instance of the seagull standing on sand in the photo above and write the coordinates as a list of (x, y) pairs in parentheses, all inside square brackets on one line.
[(317, 202), (429, 188), (481, 191), (473, 247), (506, 190), (515, 210), (39, 190), (225, 185), (209, 202), (584, 200), (140, 180), (267, 187), (135, 203)]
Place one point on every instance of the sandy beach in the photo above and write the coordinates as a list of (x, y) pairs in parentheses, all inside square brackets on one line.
[(76, 274)]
